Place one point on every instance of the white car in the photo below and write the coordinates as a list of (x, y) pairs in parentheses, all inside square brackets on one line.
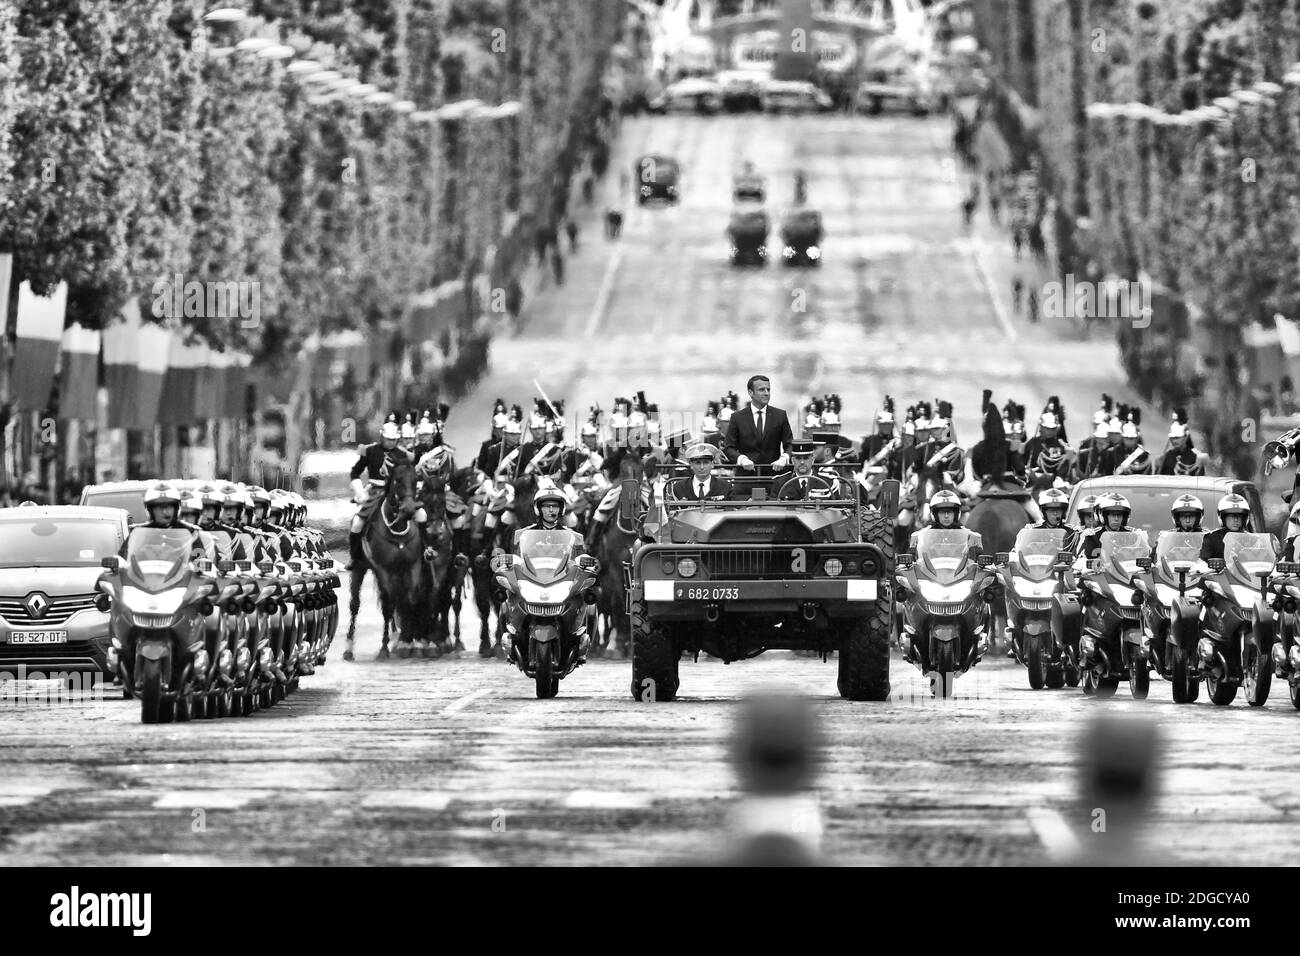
[(694, 94), (794, 96), (325, 482)]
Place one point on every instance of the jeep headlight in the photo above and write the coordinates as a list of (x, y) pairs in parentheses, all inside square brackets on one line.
[(814, 253), (833, 567), (687, 567)]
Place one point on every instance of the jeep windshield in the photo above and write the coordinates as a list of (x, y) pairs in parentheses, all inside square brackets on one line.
[(943, 554), (56, 542)]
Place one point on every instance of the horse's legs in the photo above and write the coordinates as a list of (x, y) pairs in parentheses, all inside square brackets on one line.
[(387, 608), (354, 605)]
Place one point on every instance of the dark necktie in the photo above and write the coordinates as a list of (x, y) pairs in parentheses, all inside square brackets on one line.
[(699, 490), (760, 425), (803, 487)]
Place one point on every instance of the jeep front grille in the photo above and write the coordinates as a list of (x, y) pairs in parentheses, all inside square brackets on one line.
[(14, 610), (734, 563)]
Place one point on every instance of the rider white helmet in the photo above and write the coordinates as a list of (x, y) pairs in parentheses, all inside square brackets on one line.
[(1053, 498), (1113, 501), (552, 494), (1187, 504), (944, 499), (1233, 503), (161, 493)]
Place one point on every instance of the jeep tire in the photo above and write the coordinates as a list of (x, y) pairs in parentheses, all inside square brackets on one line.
[(654, 661), (864, 655)]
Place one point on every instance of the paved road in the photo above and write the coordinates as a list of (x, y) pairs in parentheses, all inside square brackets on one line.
[(454, 761)]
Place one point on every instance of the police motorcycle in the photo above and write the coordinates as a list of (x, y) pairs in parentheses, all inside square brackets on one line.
[(158, 599), (1285, 587), (1172, 609), (945, 616), (1236, 646), (1033, 573), (1111, 641), (549, 580)]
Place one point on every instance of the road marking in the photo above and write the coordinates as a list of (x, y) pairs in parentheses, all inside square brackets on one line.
[(606, 800), (998, 308), (206, 799), (602, 297), (412, 799), (1054, 833), (460, 703)]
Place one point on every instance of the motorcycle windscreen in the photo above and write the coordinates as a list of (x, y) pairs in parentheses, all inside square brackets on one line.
[(546, 553), (944, 555), (156, 558), (1037, 550), (1179, 549), (1120, 551), (1246, 555)]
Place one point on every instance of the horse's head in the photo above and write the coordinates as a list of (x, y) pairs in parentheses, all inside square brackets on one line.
[(402, 487)]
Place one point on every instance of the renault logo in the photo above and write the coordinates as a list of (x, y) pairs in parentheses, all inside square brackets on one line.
[(37, 604)]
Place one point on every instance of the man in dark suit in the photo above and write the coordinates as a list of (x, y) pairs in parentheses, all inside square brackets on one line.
[(802, 483), (702, 486), (758, 434)]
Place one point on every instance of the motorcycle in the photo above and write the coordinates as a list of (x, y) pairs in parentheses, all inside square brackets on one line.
[(1171, 611), (550, 579), (1285, 585), (945, 615), (1032, 575), (1111, 643), (157, 601), (1236, 646)]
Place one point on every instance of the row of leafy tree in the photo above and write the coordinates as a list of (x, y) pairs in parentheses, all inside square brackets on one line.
[(1169, 138), (132, 148)]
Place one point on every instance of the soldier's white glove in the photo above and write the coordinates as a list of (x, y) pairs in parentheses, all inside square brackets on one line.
[(744, 461), (782, 462), (358, 490)]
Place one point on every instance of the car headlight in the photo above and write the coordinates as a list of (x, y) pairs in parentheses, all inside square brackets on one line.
[(944, 593), (832, 567), (550, 594), (687, 567), (142, 602), (1034, 589)]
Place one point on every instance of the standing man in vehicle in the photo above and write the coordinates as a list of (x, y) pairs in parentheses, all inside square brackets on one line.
[(759, 433)]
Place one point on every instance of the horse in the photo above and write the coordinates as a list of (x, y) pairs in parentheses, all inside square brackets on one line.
[(478, 539), (394, 554), (997, 516), (447, 567), (613, 547)]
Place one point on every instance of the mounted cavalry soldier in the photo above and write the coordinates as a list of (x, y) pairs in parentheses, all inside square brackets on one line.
[(882, 448), (376, 462), (516, 462), (1046, 454), (941, 453), (1181, 458), (499, 419), (584, 461), (1095, 454), (549, 459), (709, 430), (428, 433), (1133, 459)]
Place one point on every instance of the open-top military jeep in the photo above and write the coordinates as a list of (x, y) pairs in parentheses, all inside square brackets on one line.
[(734, 578)]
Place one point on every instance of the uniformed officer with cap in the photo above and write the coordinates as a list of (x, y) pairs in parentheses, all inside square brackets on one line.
[(801, 482), (703, 485)]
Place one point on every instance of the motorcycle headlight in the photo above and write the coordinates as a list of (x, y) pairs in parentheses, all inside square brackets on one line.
[(550, 594), (1034, 589), (168, 602), (1243, 595), (1124, 595), (944, 593)]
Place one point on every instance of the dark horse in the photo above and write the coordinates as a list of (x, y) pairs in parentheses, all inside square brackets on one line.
[(997, 516), (612, 548), (448, 567), (476, 539), (394, 553)]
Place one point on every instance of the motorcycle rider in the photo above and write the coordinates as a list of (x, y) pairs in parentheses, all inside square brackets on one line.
[(1112, 511), (191, 507), (1087, 512), (1234, 516), (210, 504), (162, 501), (1054, 504), (376, 461), (1187, 512), (550, 505), (945, 515), (1181, 458), (1291, 549)]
